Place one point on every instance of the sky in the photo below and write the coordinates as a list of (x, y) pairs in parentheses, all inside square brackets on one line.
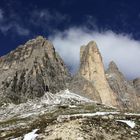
[(113, 24)]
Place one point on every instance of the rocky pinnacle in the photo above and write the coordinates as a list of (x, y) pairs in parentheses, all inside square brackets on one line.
[(92, 69)]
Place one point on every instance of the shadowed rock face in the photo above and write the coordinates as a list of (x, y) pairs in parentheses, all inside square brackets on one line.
[(92, 70), (84, 87), (136, 84), (127, 94), (30, 70)]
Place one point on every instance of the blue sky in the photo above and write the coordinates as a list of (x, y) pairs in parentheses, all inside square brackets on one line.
[(57, 20)]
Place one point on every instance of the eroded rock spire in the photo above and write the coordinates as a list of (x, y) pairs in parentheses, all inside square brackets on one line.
[(92, 69), (125, 91)]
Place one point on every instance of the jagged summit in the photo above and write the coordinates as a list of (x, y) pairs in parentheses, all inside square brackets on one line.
[(89, 56), (23, 52), (88, 50), (113, 66), (126, 93), (92, 44), (30, 70)]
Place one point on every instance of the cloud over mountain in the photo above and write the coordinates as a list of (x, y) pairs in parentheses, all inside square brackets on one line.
[(120, 48)]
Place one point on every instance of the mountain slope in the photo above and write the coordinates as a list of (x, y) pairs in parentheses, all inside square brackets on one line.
[(66, 116), (30, 70), (127, 94)]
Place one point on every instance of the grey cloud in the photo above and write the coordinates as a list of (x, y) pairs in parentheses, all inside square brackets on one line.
[(120, 48)]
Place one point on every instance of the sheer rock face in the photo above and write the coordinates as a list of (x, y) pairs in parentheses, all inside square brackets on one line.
[(92, 69), (84, 87), (127, 94), (30, 70)]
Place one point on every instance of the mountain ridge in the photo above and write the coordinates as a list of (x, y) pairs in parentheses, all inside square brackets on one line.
[(29, 70), (35, 67), (40, 100)]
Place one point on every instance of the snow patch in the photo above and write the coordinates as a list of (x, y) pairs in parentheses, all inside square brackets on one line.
[(31, 136), (63, 117), (72, 106), (15, 139), (93, 114), (132, 114), (63, 97), (128, 122), (69, 95)]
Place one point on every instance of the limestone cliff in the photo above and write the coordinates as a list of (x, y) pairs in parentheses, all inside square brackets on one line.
[(92, 70), (126, 93), (30, 70)]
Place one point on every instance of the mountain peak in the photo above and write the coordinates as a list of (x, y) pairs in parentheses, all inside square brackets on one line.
[(92, 69), (31, 70), (113, 66), (35, 40), (92, 44)]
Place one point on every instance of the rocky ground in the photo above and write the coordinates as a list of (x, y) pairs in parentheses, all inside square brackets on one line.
[(92, 128), (75, 119)]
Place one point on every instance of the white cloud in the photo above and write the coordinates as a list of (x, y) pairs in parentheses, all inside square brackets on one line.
[(15, 27), (46, 19), (21, 31), (1, 14), (120, 48)]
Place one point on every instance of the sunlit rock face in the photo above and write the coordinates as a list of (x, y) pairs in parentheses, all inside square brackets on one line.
[(92, 69), (30, 70)]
